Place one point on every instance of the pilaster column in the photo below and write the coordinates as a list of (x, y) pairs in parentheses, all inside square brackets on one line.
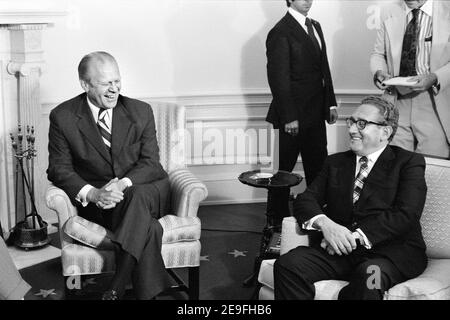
[(26, 64), (21, 104)]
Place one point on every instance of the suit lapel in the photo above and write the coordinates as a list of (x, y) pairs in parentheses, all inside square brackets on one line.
[(378, 174), (347, 176), (121, 125), (300, 34), (395, 27), (88, 128), (320, 33)]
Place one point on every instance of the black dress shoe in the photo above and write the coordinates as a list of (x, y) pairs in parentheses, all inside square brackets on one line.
[(110, 295)]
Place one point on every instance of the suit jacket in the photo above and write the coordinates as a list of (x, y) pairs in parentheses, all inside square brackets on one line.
[(299, 77), (388, 210), (78, 156), (387, 51)]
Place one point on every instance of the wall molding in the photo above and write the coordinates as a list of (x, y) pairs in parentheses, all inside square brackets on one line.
[(248, 97), (245, 110)]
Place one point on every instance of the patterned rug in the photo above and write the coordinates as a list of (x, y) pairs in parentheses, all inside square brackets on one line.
[(230, 241)]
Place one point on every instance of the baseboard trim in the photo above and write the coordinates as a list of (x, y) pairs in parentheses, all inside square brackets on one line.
[(231, 201)]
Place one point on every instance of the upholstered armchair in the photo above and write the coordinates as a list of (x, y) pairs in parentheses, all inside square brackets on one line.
[(432, 284), (90, 254)]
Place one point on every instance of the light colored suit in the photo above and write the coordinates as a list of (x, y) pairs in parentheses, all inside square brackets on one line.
[(388, 48), (12, 286)]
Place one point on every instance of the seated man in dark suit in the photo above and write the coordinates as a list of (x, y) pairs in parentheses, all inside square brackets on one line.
[(365, 204), (103, 153)]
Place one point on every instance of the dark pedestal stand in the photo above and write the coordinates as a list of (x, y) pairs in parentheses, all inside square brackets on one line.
[(281, 179)]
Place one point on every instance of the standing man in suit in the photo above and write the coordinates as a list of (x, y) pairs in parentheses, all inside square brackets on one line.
[(303, 96), (365, 206), (103, 153), (12, 286), (414, 40)]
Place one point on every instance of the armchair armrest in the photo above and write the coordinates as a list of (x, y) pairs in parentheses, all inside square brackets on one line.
[(187, 192), (292, 235), (57, 200)]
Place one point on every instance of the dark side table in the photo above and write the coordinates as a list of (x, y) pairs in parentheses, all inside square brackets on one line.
[(258, 179)]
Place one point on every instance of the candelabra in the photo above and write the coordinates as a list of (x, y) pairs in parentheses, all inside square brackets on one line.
[(31, 232)]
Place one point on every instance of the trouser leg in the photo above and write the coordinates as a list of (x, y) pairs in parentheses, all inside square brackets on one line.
[(313, 149), (427, 128), (278, 199), (150, 276), (370, 279), (296, 271), (138, 232), (404, 136)]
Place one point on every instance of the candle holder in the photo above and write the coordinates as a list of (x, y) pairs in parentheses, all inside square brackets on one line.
[(31, 232)]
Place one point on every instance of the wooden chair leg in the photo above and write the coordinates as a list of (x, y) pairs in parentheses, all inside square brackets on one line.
[(194, 285)]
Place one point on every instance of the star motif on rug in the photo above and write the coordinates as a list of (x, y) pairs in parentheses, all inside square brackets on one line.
[(45, 293), (237, 253), (204, 258)]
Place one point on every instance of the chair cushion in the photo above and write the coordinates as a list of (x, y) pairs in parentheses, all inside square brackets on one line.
[(265, 276), (328, 289), (325, 290), (88, 233), (78, 259), (181, 254), (176, 229), (432, 284)]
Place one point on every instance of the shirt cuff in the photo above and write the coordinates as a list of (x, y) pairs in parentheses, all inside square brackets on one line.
[(81, 196), (362, 238), (308, 225), (333, 107), (127, 181)]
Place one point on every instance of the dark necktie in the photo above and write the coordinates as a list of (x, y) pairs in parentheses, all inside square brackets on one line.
[(409, 48), (360, 178), (309, 26), (104, 129)]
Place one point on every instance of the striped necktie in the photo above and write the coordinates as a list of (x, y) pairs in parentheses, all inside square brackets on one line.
[(104, 129), (360, 178)]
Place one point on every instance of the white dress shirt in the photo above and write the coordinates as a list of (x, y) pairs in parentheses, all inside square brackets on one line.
[(301, 19)]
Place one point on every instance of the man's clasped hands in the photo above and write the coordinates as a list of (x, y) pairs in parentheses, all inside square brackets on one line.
[(337, 239), (108, 196)]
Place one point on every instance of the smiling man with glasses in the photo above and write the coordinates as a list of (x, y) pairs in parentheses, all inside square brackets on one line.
[(363, 212)]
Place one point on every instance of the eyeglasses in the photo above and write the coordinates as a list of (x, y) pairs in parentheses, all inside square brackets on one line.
[(361, 123)]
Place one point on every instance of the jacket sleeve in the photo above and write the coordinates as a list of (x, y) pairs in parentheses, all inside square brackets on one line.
[(330, 98), (147, 168), (60, 169), (378, 58), (440, 11), (279, 75), (407, 208), (311, 202), (443, 73)]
